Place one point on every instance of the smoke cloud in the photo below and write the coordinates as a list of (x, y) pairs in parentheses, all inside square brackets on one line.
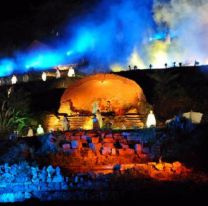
[(188, 20), (119, 33)]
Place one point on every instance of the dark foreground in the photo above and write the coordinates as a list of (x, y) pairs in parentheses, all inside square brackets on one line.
[(167, 193)]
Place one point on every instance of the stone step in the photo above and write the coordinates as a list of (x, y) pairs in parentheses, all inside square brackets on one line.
[(76, 122)]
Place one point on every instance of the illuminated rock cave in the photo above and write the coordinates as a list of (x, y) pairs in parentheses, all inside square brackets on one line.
[(109, 92), (123, 95)]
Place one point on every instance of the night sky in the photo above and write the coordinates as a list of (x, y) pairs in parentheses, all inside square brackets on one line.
[(131, 32), (24, 21)]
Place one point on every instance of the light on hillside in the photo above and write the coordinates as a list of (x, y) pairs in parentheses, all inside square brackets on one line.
[(14, 79), (9, 91), (58, 74), (71, 72), (44, 76), (25, 78)]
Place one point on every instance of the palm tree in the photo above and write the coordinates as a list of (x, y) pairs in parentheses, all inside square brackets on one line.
[(169, 94), (14, 111), (163, 82)]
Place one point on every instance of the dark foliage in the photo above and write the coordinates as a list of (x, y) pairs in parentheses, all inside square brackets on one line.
[(174, 90), (186, 143), (14, 110)]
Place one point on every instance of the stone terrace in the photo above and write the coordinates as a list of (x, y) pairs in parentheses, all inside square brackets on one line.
[(91, 149)]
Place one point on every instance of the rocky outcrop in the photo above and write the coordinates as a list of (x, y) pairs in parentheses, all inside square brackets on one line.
[(108, 90)]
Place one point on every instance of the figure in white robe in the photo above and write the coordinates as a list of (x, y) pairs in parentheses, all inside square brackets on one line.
[(151, 121), (40, 130), (95, 107), (65, 123), (99, 118), (30, 132)]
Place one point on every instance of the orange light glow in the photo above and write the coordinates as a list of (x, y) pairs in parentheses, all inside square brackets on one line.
[(122, 93), (88, 124)]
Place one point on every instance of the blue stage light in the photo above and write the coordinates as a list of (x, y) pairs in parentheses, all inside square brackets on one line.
[(7, 67)]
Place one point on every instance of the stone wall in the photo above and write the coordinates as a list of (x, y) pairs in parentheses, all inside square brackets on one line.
[(85, 150), (19, 181)]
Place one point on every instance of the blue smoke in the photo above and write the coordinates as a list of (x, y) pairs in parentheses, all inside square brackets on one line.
[(106, 36), (41, 60), (6, 67), (110, 34)]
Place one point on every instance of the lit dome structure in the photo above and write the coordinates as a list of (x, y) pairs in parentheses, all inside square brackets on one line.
[(112, 91)]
